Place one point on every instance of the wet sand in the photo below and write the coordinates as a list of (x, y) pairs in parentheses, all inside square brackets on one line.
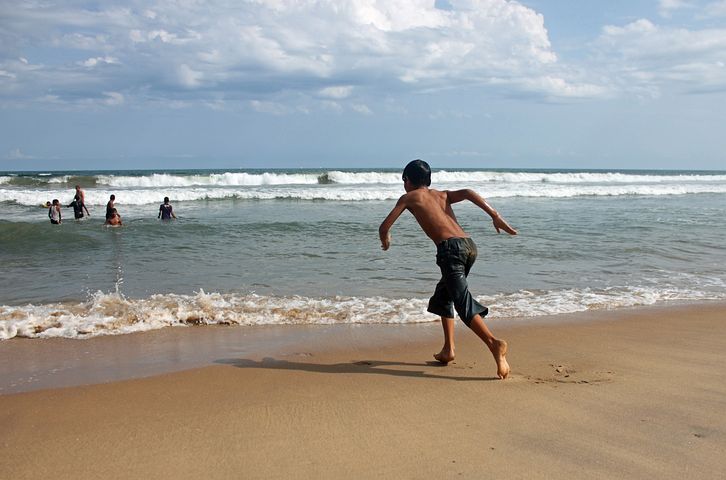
[(626, 394)]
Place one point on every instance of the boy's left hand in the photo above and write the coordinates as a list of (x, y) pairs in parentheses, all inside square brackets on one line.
[(501, 224)]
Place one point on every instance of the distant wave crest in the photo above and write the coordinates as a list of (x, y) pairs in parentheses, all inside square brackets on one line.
[(338, 185)]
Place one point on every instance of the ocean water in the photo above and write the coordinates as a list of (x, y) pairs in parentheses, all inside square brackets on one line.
[(254, 247)]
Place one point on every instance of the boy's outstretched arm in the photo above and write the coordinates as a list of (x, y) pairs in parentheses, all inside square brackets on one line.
[(384, 229), (456, 196)]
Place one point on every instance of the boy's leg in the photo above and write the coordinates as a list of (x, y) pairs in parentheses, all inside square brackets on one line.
[(455, 269), (447, 354), (496, 346), (440, 304)]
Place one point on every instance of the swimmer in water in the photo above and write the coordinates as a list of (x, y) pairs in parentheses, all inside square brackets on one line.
[(113, 218)]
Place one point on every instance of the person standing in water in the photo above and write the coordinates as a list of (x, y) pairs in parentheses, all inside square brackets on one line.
[(54, 213), (79, 204), (166, 211), (114, 219), (110, 207)]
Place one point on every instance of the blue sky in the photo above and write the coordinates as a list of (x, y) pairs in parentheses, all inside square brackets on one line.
[(368, 83)]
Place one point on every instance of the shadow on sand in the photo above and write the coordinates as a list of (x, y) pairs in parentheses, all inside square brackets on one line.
[(362, 366)]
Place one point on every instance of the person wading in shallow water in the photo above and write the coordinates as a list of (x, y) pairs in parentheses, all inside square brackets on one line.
[(114, 218), (79, 204), (166, 211), (110, 207), (54, 213)]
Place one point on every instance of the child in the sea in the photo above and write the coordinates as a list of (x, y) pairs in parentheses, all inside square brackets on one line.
[(54, 213), (113, 218), (166, 211), (110, 206), (455, 254)]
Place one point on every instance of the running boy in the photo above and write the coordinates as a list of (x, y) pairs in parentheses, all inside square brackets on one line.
[(455, 254)]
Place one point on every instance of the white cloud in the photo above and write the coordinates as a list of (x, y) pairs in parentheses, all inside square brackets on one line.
[(162, 35), (334, 55), (641, 26), (92, 62), (136, 36), (338, 92), (332, 106), (188, 77), (667, 7), (361, 108), (268, 47), (715, 9), (49, 99), (272, 108), (441, 114), (113, 98), (647, 57), (557, 87), (80, 41), (17, 154)]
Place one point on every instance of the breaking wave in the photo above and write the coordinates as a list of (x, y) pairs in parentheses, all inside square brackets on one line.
[(114, 314), (338, 185)]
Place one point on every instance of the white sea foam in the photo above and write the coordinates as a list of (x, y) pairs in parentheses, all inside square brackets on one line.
[(29, 196), (572, 177), (61, 179), (136, 196), (353, 178), (113, 314), (214, 179), (358, 186), (357, 178), (378, 178)]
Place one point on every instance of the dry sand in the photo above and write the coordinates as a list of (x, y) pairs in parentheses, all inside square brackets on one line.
[(627, 394)]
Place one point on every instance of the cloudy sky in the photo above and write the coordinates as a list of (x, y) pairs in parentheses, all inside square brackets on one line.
[(362, 83)]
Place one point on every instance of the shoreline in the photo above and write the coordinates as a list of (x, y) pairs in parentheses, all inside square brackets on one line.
[(637, 395), (35, 364)]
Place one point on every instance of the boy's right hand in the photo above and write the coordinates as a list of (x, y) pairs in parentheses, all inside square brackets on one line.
[(386, 242), (501, 224)]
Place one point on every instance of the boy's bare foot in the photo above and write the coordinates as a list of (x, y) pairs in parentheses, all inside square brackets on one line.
[(445, 356), (499, 350)]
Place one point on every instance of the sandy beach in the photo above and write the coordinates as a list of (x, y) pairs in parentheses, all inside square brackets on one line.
[(300, 189), (622, 394)]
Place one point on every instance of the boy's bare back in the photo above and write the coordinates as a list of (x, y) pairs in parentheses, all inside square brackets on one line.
[(433, 212)]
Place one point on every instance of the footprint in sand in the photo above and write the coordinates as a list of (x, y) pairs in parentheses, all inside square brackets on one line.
[(566, 373)]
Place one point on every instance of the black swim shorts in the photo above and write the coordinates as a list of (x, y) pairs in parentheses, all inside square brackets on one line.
[(455, 257)]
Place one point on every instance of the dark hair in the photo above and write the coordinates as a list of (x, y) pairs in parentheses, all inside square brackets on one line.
[(166, 199), (113, 197), (418, 173)]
